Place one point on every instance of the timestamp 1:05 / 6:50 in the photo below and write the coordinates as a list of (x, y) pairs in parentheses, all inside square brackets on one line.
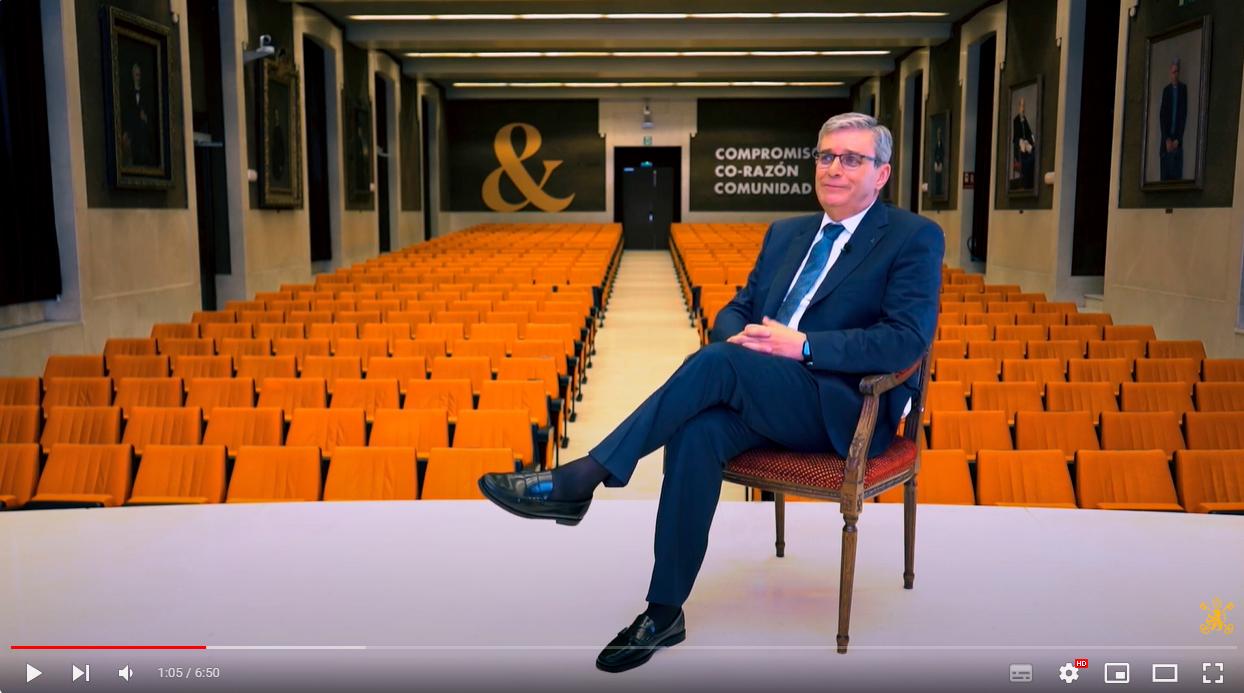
[(189, 672)]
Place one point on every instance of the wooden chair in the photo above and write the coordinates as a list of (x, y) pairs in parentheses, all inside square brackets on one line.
[(848, 482)]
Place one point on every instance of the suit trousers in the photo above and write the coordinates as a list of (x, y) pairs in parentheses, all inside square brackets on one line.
[(723, 400)]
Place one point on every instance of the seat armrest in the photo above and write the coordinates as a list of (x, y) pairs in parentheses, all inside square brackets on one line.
[(878, 384)]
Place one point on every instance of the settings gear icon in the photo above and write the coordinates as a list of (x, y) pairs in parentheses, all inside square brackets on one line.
[(1068, 673)]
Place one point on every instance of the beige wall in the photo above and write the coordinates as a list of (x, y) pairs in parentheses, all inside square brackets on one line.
[(123, 269), (1179, 271)]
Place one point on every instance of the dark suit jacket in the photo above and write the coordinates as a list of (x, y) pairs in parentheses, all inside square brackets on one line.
[(876, 311), (1175, 95)]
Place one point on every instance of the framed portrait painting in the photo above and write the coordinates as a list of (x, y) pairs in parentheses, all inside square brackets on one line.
[(139, 130), (280, 128), (358, 149), (1176, 105), (939, 156), (1023, 170)]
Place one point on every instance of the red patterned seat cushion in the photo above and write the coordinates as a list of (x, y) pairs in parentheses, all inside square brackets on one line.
[(821, 470)]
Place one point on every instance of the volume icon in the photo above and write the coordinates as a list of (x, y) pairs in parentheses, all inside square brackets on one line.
[(125, 672)]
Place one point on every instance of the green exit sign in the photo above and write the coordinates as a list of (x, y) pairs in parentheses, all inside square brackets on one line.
[(647, 140)]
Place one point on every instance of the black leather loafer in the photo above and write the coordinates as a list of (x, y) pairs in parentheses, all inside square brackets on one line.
[(636, 644), (526, 494)]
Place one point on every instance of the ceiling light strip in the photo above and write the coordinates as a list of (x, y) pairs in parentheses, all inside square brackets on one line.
[(634, 85), (627, 16), (430, 55)]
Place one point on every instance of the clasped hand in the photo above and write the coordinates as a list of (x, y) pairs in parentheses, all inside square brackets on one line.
[(771, 337)]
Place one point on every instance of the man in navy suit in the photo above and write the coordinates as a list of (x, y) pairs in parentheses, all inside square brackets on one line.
[(1172, 117), (833, 297)]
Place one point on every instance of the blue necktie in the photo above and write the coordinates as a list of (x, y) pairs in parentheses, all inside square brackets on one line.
[(811, 272)]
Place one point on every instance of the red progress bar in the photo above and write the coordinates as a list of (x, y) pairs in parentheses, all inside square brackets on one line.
[(107, 647)]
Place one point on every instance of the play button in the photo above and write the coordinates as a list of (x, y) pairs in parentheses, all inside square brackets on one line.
[(32, 673)]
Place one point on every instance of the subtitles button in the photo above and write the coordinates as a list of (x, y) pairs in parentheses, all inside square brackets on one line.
[(1021, 673)]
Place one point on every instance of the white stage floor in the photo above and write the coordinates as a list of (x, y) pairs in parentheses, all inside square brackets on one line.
[(462, 596)]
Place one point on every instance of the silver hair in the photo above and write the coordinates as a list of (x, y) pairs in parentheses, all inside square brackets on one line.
[(1175, 63), (883, 141)]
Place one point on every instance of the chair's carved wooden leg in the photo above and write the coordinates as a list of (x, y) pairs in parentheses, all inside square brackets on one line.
[(846, 582), (909, 533), (779, 509)]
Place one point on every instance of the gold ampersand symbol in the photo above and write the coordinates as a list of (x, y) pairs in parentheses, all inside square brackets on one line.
[(512, 167)]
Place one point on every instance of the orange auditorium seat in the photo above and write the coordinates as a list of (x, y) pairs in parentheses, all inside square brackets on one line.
[(275, 474), (180, 475), (19, 472), (453, 473), (372, 474), (1125, 480), (1211, 481), (1031, 478)]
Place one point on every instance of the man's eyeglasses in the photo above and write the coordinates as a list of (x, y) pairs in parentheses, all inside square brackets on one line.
[(849, 160)]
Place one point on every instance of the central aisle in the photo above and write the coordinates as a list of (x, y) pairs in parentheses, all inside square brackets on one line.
[(647, 335)]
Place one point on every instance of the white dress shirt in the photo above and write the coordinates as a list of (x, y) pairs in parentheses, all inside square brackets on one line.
[(850, 224)]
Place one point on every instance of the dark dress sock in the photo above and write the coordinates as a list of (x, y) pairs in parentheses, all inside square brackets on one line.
[(577, 480), (662, 614)]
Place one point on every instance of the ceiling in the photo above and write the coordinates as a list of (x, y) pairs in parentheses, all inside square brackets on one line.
[(809, 54)]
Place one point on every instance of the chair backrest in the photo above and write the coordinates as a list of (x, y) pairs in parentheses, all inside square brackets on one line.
[(1222, 430), (447, 331), (117, 346), (1113, 371), (209, 393), (260, 368), (280, 330), (967, 371), (948, 349), (235, 427), (1210, 480), (966, 332), (190, 367), (1080, 333), (19, 472), (172, 330), (368, 395), (1062, 349), (1022, 333), (1173, 370), (268, 474), (944, 396), (421, 429), (1125, 479), (996, 350), (517, 394), (944, 479), (86, 366), (1224, 370), (332, 330), (496, 428), (1068, 431), (363, 349), (1007, 397), (20, 423), (87, 473), (1174, 397), (288, 394), (492, 349), (1220, 396), (1024, 477), (476, 369), (1115, 349), (426, 349), (164, 426), (1034, 370), (453, 473), (20, 391), (82, 425), (372, 474), (180, 474), (970, 431), (222, 331), (1095, 319), (399, 368), (332, 368), (531, 368), (327, 428), (77, 392), (388, 331), (300, 348), (451, 394), (1154, 430), (1177, 349), (1094, 398), (148, 392)]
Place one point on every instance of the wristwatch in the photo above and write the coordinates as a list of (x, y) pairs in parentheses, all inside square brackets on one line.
[(807, 353)]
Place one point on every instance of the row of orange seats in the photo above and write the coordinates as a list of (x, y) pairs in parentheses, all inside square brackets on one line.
[(1205, 481), (1071, 431), (323, 428), (1114, 371), (1093, 397), (101, 476)]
